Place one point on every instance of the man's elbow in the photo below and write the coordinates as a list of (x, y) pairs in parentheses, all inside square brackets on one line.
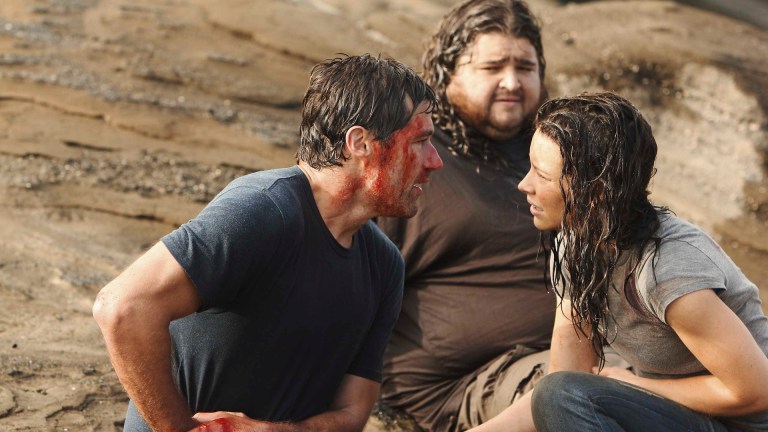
[(109, 312)]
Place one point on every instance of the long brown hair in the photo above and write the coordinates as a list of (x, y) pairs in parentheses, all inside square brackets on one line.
[(608, 152)]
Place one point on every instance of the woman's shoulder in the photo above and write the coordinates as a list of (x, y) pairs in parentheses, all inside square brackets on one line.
[(678, 234)]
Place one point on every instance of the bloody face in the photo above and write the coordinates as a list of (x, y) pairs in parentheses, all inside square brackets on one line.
[(401, 166)]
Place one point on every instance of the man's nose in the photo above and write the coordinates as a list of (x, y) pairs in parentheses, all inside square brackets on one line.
[(433, 161), (509, 79)]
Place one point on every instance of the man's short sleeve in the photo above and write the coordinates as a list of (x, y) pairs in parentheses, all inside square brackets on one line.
[(228, 244)]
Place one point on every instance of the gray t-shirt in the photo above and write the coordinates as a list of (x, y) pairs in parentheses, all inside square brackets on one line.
[(688, 260)]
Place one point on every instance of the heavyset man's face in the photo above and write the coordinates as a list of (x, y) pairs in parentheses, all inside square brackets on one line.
[(496, 85)]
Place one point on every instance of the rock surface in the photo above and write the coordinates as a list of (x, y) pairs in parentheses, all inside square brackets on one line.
[(120, 119)]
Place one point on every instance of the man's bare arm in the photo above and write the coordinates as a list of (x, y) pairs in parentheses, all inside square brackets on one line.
[(133, 312), (349, 413)]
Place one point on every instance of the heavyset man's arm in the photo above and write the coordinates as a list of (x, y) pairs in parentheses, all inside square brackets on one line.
[(723, 344), (348, 413), (133, 312)]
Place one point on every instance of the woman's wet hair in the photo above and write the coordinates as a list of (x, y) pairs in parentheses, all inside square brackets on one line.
[(608, 152), (376, 93)]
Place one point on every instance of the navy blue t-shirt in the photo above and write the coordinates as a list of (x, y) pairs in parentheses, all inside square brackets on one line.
[(286, 310)]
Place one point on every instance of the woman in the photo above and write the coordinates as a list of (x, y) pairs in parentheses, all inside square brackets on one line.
[(657, 289)]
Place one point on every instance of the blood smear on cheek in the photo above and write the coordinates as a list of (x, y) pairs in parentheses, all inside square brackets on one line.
[(347, 192), (383, 155), (388, 166)]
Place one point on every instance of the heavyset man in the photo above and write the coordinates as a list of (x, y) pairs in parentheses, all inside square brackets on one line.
[(271, 309), (477, 317)]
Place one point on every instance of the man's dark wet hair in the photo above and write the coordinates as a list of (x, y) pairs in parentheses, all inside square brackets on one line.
[(457, 32), (367, 91), (608, 152)]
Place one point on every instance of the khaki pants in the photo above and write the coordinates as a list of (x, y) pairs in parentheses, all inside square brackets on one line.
[(509, 377)]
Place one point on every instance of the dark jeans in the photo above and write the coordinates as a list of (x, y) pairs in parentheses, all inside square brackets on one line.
[(577, 401)]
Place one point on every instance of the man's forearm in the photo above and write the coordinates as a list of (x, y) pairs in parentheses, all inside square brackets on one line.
[(140, 353), (143, 366), (341, 420), (329, 421)]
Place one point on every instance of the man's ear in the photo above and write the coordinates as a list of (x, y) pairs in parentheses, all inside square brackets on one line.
[(358, 142)]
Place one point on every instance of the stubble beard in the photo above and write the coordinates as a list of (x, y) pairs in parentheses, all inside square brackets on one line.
[(481, 118)]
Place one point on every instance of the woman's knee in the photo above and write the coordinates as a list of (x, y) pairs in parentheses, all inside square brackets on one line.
[(562, 390), (562, 401)]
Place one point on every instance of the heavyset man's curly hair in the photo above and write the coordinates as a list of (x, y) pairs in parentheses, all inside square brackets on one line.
[(457, 32), (608, 152)]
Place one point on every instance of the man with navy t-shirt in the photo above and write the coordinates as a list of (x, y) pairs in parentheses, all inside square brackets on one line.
[(271, 309)]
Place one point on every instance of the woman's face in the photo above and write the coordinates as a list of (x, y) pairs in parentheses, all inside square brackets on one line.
[(542, 183)]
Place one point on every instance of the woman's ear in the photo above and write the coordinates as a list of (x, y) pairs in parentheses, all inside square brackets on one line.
[(358, 142)]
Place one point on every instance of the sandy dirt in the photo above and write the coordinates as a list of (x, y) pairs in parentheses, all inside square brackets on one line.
[(120, 119)]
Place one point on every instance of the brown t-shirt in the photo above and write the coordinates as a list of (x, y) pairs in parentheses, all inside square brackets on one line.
[(474, 284)]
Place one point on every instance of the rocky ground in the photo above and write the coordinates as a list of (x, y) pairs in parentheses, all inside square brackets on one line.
[(120, 119)]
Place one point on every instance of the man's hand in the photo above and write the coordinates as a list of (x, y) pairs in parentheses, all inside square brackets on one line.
[(348, 413), (225, 421)]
